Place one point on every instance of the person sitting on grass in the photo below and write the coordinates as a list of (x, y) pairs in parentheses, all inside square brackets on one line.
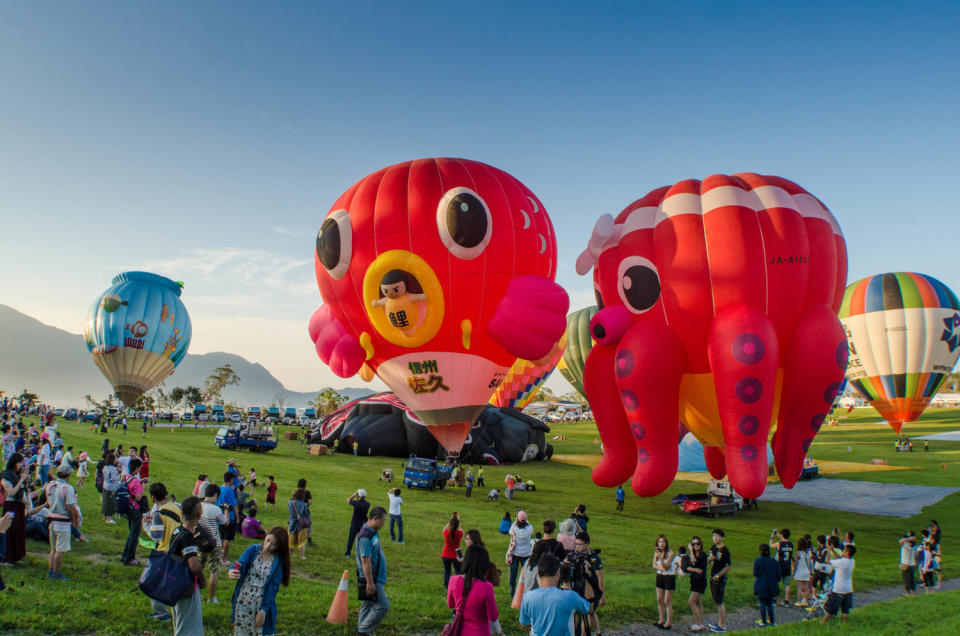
[(251, 527)]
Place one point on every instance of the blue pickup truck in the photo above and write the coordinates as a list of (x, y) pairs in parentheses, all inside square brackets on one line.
[(255, 438), (421, 472)]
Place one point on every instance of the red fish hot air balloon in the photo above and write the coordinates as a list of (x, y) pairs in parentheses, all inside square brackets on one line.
[(437, 274), (720, 303)]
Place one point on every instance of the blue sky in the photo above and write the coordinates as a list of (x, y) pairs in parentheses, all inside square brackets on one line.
[(208, 141)]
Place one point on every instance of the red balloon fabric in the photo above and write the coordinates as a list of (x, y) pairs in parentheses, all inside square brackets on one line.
[(719, 302), (438, 274)]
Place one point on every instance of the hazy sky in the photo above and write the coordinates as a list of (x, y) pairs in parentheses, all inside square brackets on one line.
[(206, 141)]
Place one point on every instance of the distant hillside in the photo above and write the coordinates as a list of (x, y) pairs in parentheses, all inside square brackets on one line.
[(54, 364)]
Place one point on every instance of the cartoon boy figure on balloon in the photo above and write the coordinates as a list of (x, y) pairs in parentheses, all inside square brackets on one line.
[(398, 303)]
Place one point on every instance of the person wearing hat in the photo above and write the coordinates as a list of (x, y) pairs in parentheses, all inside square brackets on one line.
[(64, 513), (232, 468), (520, 549), (360, 508)]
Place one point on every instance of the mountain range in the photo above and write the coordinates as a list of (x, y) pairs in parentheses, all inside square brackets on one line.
[(55, 365)]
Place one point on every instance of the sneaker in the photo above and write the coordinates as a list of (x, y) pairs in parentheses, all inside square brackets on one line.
[(402, 542), (110, 521), (712, 626), (759, 622), (59, 577), (785, 603), (160, 617), (716, 629), (214, 600)]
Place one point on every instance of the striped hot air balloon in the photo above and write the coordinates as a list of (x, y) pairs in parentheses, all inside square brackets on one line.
[(579, 343), (904, 335), (137, 332), (525, 377)]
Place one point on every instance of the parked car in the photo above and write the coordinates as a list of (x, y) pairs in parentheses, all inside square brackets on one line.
[(187, 416), (289, 421), (70, 414), (305, 421), (235, 417)]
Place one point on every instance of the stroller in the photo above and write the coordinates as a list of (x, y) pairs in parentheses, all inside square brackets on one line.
[(817, 609)]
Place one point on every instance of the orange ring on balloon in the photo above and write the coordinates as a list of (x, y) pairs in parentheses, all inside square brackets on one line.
[(421, 270)]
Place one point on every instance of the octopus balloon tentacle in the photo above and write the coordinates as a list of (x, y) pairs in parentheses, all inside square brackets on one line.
[(813, 372), (600, 384), (743, 354)]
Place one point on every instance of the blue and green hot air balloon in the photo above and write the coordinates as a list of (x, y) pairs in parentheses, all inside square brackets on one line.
[(137, 332)]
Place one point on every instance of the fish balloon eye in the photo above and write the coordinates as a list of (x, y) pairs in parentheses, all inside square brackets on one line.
[(335, 243), (464, 223), (639, 284)]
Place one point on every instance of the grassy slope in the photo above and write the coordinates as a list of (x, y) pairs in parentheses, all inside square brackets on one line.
[(927, 615), (102, 597)]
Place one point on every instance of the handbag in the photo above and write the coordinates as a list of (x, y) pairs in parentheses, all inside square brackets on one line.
[(166, 579), (904, 567), (362, 589), (302, 522), (454, 627)]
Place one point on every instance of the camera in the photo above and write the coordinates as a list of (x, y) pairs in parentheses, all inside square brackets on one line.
[(573, 571)]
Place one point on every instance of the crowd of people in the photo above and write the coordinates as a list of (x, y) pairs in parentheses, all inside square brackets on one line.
[(555, 575)]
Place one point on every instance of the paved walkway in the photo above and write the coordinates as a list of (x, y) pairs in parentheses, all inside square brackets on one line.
[(743, 618)]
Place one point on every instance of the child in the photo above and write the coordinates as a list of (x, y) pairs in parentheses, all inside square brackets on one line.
[(253, 477), (493, 495), (505, 524), (678, 561), (272, 493), (82, 469)]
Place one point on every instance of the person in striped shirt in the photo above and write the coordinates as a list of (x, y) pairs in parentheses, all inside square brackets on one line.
[(210, 520)]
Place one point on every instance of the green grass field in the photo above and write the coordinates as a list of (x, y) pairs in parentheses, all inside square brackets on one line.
[(102, 597), (924, 615)]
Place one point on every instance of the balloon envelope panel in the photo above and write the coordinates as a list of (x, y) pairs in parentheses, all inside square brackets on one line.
[(903, 331), (579, 343), (137, 332)]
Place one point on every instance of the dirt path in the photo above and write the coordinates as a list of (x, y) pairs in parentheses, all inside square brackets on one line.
[(743, 618)]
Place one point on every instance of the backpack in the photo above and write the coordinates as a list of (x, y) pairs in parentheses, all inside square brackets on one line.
[(124, 500), (98, 482), (206, 542)]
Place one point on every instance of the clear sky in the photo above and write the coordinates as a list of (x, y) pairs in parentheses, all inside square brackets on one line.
[(206, 141)]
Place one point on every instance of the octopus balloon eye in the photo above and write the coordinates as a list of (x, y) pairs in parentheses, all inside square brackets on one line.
[(639, 284), (464, 223), (335, 243)]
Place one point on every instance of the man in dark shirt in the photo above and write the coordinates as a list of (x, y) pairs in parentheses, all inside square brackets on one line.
[(547, 545), (720, 566), (360, 508), (188, 612), (784, 554)]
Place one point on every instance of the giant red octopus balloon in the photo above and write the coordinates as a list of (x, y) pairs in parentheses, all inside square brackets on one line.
[(719, 309), (437, 274)]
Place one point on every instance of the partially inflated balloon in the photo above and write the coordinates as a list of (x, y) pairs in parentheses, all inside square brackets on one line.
[(904, 335), (525, 377), (137, 332), (437, 274), (719, 302), (579, 343)]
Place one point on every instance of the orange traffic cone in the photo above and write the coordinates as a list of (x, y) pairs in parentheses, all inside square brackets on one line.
[(338, 608), (518, 596)]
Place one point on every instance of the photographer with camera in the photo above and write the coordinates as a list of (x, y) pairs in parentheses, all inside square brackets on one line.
[(549, 610), (908, 562), (582, 570)]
